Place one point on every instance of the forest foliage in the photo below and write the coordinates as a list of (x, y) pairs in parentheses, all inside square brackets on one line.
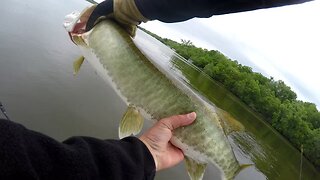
[(298, 121)]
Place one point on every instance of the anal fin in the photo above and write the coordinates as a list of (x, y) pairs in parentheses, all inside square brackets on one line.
[(195, 169), (131, 122)]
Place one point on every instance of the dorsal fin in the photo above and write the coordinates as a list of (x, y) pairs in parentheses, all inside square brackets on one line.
[(242, 167), (229, 123)]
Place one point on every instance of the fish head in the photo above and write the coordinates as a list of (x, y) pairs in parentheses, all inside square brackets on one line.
[(75, 24)]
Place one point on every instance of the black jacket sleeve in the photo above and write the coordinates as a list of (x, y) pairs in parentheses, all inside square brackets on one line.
[(180, 10), (25, 154)]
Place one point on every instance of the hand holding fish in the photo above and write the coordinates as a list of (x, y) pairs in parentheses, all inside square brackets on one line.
[(157, 139), (124, 12)]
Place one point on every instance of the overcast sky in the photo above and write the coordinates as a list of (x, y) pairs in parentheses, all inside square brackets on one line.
[(280, 42)]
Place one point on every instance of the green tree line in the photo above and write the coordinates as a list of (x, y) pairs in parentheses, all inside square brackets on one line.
[(298, 121)]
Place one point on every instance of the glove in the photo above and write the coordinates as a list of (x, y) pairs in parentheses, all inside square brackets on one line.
[(125, 12)]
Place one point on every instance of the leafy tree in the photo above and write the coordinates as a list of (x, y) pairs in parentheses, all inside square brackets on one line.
[(282, 91)]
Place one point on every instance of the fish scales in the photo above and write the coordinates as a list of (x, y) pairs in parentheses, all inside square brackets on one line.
[(137, 79), (146, 87)]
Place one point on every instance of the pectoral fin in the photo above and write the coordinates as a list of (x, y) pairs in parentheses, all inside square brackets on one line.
[(195, 169), (131, 122), (77, 64), (229, 123)]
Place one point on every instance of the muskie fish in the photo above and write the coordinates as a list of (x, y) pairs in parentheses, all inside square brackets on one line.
[(145, 88)]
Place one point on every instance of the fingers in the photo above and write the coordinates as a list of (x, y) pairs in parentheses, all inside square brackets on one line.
[(102, 9), (174, 122)]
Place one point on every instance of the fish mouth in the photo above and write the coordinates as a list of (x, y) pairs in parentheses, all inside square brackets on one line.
[(75, 22)]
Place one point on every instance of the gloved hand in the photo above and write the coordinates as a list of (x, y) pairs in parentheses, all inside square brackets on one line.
[(125, 12)]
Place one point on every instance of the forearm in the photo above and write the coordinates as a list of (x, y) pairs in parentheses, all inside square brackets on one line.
[(27, 154), (180, 10)]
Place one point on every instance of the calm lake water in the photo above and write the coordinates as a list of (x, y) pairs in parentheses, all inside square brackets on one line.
[(39, 90)]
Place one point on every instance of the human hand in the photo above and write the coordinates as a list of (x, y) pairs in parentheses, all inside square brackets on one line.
[(157, 139), (125, 12)]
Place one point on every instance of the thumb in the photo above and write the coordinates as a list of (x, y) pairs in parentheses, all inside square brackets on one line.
[(174, 122)]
